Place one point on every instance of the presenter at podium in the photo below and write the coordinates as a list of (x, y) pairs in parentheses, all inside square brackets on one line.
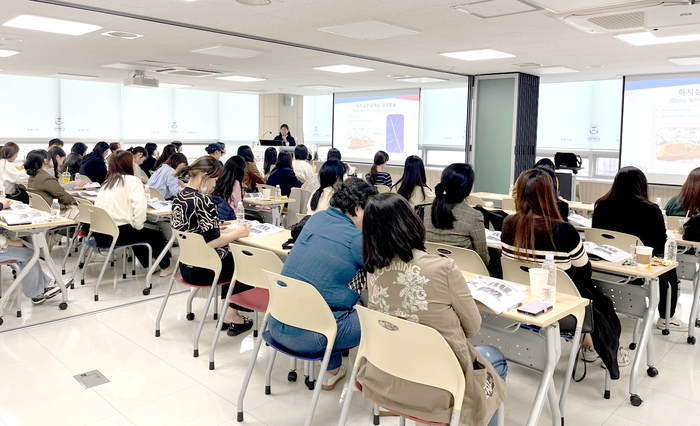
[(285, 136)]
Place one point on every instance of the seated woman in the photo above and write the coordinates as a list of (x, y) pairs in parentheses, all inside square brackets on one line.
[(164, 179), (149, 164), (72, 164), (12, 178), (451, 220), (331, 176), (688, 201), (37, 165), (140, 155), (251, 177), (334, 235), (93, 165), (283, 175), (123, 197), (194, 211), (168, 151), (537, 230), (547, 165), (300, 164), (406, 282), (377, 175), (58, 158), (412, 185), (215, 150), (626, 208), (270, 161), (228, 187)]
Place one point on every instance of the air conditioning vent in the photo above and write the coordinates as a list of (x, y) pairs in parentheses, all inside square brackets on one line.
[(622, 21), (187, 72), (122, 34)]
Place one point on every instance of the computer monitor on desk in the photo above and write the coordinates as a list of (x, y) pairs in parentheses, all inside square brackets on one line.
[(270, 142)]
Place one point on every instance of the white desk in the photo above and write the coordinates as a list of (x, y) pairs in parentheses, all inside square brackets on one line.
[(275, 207)]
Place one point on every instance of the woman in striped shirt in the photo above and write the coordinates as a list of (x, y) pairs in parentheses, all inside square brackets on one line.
[(377, 175), (537, 230)]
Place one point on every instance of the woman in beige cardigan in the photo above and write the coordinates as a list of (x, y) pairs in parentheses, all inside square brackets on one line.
[(406, 282)]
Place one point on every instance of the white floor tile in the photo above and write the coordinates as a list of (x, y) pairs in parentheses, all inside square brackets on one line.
[(661, 408), (118, 420)]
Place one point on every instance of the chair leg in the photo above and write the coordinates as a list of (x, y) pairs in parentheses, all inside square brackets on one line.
[(87, 262), (317, 390), (165, 302), (124, 263), (246, 381), (216, 305), (104, 268), (268, 373), (71, 244), (501, 413), (255, 324), (608, 382), (19, 301), (190, 298), (348, 400), (636, 333), (212, 292), (375, 411), (133, 262), (81, 256), (402, 421), (576, 343), (219, 325)]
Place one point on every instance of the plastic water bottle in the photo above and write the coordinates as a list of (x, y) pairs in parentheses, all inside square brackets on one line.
[(240, 211), (549, 291), (148, 193), (278, 193), (77, 176), (2, 193), (55, 209), (670, 250)]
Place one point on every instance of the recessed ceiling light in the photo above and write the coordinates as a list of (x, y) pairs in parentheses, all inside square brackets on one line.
[(73, 76), (343, 69), (59, 26), (241, 78), (228, 51), (255, 2), (122, 34), (528, 65), (648, 39), (422, 80), (369, 30), (11, 39), (553, 70), (495, 8), (7, 53), (594, 66), (398, 75), (689, 60), (478, 55), (320, 87), (174, 85)]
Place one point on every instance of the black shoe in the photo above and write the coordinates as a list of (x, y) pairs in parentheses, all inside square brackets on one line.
[(236, 329), (225, 326)]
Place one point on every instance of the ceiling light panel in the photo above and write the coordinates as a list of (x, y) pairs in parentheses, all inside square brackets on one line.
[(369, 30), (228, 52), (422, 80), (648, 39), (122, 34), (487, 9), (478, 55), (343, 69), (553, 70), (50, 25), (4, 53), (73, 76), (320, 87), (241, 78), (686, 61), (174, 85)]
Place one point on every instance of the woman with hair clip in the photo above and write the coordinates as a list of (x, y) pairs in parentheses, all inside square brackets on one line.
[(164, 179), (72, 163), (37, 165), (149, 164), (215, 150), (377, 176), (58, 158), (451, 220), (406, 282), (688, 201), (283, 175), (229, 186), (251, 176), (412, 185), (93, 165), (194, 211), (12, 177), (140, 154), (168, 151), (123, 197), (270, 161), (330, 177), (537, 230), (626, 208)]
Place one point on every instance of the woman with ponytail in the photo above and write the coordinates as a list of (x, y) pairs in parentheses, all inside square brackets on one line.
[(451, 220), (377, 176), (330, 177), (413, 184), (37, 166)]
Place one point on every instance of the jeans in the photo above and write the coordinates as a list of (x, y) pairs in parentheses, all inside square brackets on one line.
[(311, 343), (34, 283), (498, 361)]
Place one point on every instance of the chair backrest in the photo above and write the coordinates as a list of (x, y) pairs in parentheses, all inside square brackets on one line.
[(300, 216), (612, 238), (383, 189), (508, 204), (518, 272), (36, 201), (85, 179), (301, 198), (101, 222), (675, 223), (83, 201), (466, 260), (476, 201), (262, 186), (156, 194), (83, 212), (300, 305), (194, 251), (249, 263), (410, 351)]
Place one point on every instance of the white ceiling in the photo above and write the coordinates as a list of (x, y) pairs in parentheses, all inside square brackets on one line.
[(533, 37)]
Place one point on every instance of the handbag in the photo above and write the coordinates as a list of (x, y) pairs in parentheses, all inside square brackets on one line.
[(19, 194), (567, 160), (296, 230)]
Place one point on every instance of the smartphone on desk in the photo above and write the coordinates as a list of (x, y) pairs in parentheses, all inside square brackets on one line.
[(535, 309)]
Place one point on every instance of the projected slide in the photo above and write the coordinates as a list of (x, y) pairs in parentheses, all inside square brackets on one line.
[(661, 126), (366, 122)]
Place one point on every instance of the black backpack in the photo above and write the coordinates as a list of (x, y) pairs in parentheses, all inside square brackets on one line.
[(296, 230)]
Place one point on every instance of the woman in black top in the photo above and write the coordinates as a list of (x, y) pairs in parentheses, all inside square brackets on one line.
[(270, 161), (283, 175), (537, 230), (94, 166), (72, 164), (285, 136), (626, 208), (168, 151), (195, 212), (149, 164)]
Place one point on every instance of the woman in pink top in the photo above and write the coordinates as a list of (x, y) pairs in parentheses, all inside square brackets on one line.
[(229, 187)]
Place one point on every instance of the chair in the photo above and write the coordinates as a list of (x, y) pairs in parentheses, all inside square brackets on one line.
[(476, 201), (616, 239), (102, 223), (262, 186), (194, 251), (297, 207), (383, 189), (85, 179), (248, 265), (83, 218), (15, 270), (508, 204), (675, 223), (408, 351), (300, 305), (465, 259), (156, 194), (37, 202)]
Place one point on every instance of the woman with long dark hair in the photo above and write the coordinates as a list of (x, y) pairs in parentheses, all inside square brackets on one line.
[(406, 282), (451, 220), (140, 154), (688, 201), (149, 164), (93, 165), (251, 177), (377, 175), (537, 230), (413, 184), (229, 186), (37, 165), (168, 151), (164, 180), (72, 164), (12, 177), (285, 136), (330, 177), (626, 208), (58, 158), (270, 161), (283, 175)]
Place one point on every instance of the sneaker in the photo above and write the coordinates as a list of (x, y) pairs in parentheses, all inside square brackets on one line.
[(674, 324), (167, 271), (330, 380), (155, 271), (589, 354), (623, 358), (50, 291), (236, 329)]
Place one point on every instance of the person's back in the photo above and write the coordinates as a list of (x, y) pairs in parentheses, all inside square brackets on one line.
[(285, 178), (93, 166), (382, 178), (417, 196), (164, 181), (468, 230), (71, 165), (633, 216), (125, 202)]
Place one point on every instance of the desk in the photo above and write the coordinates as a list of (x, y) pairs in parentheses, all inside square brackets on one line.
[(695, 258), (490, 196), (275, 207), (37, 233), (269, 242)]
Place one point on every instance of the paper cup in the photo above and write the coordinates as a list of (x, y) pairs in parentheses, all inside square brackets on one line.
[(538, 279), (488, 204), (266, 193), (644, 255)]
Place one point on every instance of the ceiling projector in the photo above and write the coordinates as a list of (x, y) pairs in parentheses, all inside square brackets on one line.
[(139, 79)]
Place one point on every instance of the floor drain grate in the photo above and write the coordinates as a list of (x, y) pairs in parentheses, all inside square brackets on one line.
[(91, 379)]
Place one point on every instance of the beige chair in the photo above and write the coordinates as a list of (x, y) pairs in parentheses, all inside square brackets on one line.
[(248, 265), (616, 239), (383, 189), (83, 218), (476, 201), (508, 204), (36, 201), (300, 217), (408, 351), (262, 186), (675, 223), (156, 194), (301, 197), (297, 304), (465, 259), (85, 179), (195, 252)]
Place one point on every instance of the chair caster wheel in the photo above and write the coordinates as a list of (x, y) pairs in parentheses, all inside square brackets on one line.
[(63, 306), (606, 395), (255, 333), (111, 264), (190, 316), (216, 317), (665, 332), (146, 291), (123, 276), (375, 420), (309, 384), (1, 321), (63, 272), (97, 298), (652, 372), (636, 400), (19, 314), (72, 286), (346, 354), (157, 333), (268, 391), (292, 376), (196, 353), (691, 340), (239, 417), (633, 346)]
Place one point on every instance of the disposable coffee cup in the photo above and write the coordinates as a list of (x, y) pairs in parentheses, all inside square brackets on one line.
[(266, 192), (644, 255), (538, 279)]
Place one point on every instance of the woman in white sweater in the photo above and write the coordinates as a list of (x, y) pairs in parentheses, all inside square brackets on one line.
[(10, 175), (123, 197)]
